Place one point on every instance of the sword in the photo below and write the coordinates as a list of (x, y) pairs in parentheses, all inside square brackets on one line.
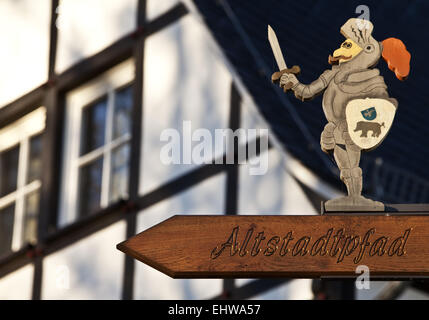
[(277, 51)]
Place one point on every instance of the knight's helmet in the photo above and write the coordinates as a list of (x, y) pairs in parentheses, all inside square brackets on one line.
[(369, 49), (359, 30), (392, 50)]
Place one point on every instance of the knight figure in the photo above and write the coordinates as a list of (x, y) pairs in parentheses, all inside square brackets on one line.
[(355, 101)]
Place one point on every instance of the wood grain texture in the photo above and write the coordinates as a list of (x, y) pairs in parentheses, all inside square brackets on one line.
[(284, 246)]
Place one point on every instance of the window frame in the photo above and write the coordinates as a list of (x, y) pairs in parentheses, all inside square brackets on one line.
[(104, 85), (19, 134)]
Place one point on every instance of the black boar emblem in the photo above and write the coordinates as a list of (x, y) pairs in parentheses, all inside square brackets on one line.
[(365, 126)]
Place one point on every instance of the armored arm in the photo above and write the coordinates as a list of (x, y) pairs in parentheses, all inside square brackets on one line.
[(308, 91)]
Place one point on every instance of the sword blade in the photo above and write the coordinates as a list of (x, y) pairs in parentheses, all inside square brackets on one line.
[(277, 51)]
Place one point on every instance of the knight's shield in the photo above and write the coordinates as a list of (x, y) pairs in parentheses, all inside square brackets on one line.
[(369, 120)]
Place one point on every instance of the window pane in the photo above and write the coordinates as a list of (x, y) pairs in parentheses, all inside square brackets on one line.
[(93, 126), (29, 234), (122, 114), (35, 159), (8, 170), (90, 187), (6, 228), (119, 174)]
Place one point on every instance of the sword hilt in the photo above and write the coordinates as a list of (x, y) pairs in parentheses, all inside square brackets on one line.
[(277, 75)]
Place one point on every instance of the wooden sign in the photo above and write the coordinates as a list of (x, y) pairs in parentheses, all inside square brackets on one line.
[(284, 246)]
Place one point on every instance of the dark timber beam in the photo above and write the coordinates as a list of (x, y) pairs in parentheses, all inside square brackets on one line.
[(16, 260), (53, 38), (97, 64), (21, 106), (136, 140), (163, 21), (231, 194), (51, 146)]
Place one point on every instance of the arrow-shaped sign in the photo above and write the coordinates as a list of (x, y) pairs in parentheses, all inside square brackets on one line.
[(284, 246)]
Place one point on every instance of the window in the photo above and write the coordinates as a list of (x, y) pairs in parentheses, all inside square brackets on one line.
[(20, 181), (97, 144), (104, 151)]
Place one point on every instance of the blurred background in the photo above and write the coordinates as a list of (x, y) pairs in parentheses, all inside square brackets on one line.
[(87, 88)]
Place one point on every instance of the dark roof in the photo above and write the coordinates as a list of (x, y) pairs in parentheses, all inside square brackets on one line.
[(308, 31)]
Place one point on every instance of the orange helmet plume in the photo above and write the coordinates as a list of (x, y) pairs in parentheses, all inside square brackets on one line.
[(397, 57)]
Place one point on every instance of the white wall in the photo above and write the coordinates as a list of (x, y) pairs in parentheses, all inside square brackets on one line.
[(87, 27), (155, 8), (17, 285), (24, 54), (89, 269), (206, 197), (184, 81), (276, 192)]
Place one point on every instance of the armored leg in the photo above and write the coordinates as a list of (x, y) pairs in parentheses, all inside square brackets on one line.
[(347, 158), (327, 139)]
